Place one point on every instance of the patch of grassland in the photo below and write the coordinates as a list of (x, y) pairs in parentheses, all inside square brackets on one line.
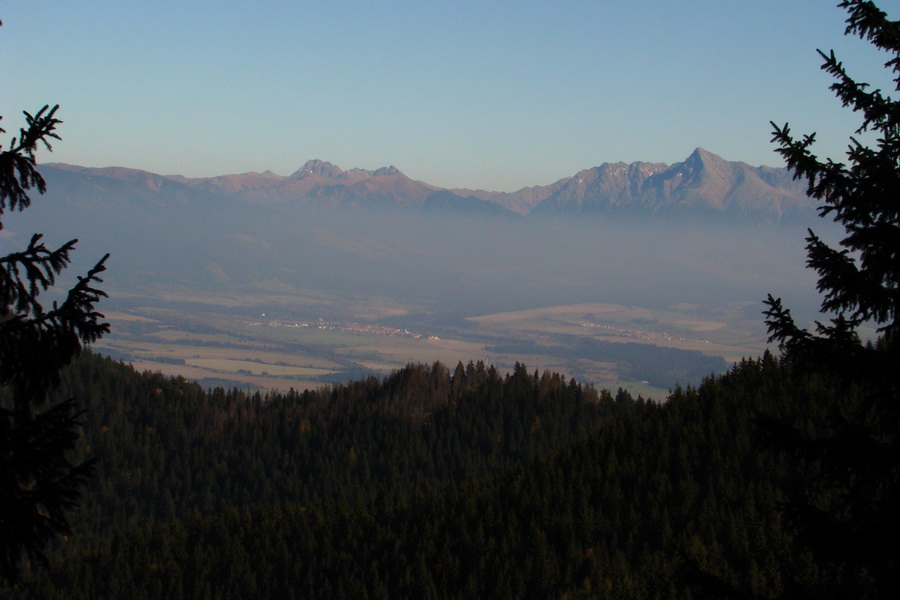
[(722, 333), (274, 339), (230, 365)]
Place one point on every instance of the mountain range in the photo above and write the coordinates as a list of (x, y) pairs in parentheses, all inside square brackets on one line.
[(702, 185)]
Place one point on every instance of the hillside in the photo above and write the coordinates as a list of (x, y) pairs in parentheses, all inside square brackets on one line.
[(430, 483)]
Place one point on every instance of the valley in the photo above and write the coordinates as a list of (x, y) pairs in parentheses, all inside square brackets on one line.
[(291, 341)]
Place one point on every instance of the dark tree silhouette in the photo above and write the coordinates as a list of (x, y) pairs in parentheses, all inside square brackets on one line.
[(848, 517), (40, 479)]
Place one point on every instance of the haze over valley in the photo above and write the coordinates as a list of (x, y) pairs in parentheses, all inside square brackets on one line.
[(640, 275)]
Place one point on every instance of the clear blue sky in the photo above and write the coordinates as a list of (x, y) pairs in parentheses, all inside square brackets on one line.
[(479, 94)]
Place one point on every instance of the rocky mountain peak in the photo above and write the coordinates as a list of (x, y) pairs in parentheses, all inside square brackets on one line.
[(701, 159), (703, 183), (318, 167), (391, 170)]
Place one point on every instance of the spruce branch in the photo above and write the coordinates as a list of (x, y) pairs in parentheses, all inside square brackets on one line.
[(18, 172)]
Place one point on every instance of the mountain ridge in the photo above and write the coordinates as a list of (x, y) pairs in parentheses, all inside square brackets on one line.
[(702, 184)]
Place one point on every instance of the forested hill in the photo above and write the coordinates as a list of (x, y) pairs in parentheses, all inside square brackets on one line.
[(434, 482)]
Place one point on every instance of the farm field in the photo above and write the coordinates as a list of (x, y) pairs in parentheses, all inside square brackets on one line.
[(275, 341)]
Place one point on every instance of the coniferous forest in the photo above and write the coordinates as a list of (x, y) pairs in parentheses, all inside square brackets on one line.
[(433, 482)]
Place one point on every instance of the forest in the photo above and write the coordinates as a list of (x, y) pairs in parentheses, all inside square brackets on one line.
[(432, 483)]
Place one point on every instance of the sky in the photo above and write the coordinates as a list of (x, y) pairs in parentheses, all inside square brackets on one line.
[(486, 94)]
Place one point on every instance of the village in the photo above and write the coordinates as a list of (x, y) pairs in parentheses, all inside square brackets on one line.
[(341, 326), (637, 334)]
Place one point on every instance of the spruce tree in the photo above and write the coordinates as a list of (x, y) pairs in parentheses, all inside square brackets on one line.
[(40, 476), (848, 516)]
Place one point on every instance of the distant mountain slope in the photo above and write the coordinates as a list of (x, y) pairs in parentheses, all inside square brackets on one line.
[(521, 201), (320, 182), (702, 185)]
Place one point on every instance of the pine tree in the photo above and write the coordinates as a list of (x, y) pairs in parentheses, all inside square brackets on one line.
[(39, 477), (848, 518)]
